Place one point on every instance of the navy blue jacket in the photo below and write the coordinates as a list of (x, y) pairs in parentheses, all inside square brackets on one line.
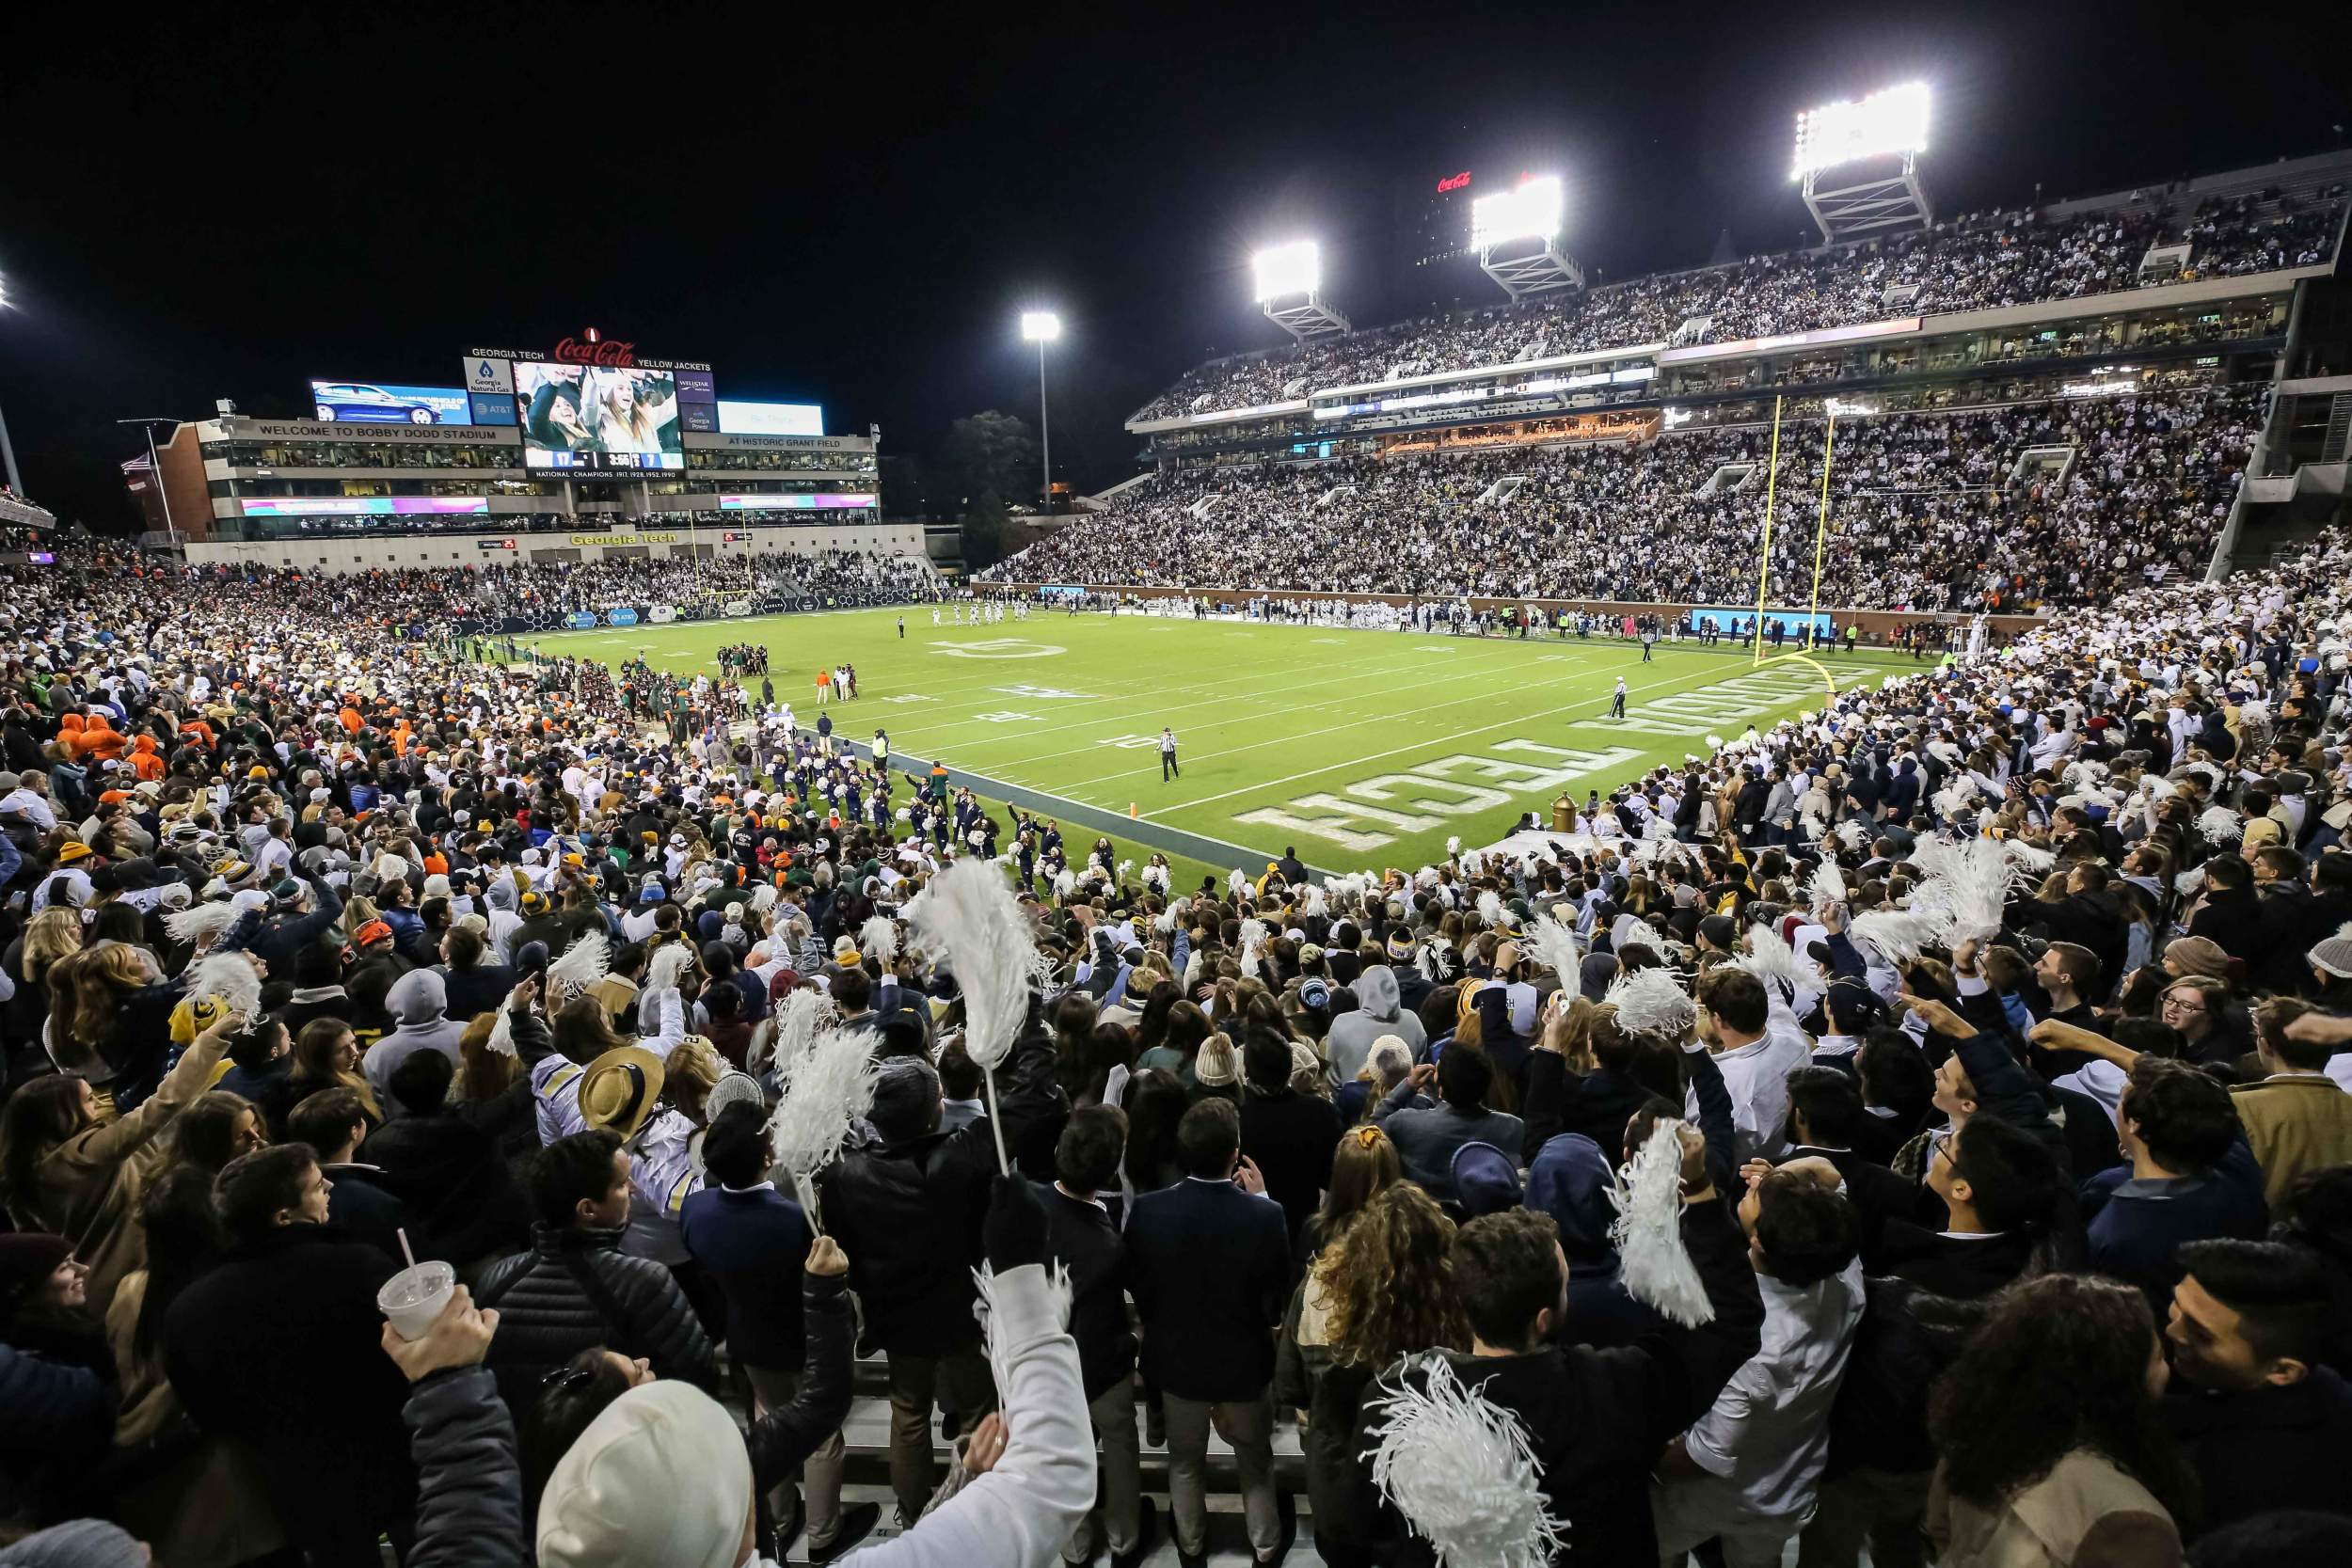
[(2134, 1227), (1209, 1273), (754, 1244)]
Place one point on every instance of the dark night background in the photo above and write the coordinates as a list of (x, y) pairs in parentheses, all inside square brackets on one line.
[(849, 205)]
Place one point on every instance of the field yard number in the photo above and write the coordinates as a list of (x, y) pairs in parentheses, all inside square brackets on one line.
[(1129, 742), (1043, 693), (1005, 717), (909, 697), (999, 647), (1370, 813)]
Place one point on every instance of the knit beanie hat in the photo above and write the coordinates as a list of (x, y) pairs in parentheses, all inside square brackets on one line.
[(660, 1479), (27, 1259), (2196, 956), (2333, 954), (1213, 1064), (84, 1543)]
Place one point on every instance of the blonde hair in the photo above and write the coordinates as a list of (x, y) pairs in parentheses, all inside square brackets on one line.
[(691, 1070), (48, 935)]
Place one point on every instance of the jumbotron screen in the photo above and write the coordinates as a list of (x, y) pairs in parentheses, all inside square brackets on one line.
[(598, 417)]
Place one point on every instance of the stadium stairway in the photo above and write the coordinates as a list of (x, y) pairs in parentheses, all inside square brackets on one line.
[(865, 1477)]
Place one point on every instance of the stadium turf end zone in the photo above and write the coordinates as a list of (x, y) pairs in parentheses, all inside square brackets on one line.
[(1363, 749)]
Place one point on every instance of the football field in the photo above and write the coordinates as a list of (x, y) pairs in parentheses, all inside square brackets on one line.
[(1363, 749)]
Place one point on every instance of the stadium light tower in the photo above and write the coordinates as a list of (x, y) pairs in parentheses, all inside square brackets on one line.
[(1042, 327), (1859, 162), (1516, 236), (1290, 291), (8, 452)]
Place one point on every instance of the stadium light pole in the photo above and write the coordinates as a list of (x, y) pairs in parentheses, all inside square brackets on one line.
[(156, 470), (8, 451), (1042, 327)]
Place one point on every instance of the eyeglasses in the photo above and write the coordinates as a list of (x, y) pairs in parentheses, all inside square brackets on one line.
[(2183, 1004)]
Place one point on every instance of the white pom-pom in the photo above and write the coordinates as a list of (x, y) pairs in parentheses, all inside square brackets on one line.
[(1647, 1231), (2220, 824), (1253, 935), (969, 916), (1827, 890), (878, 940), (1714, 742), (1125, 867), (202, 925), (1453, 846), (1552, 945), (501, 1041), (1966, 889), (1313, 901), (2033, 857), (832, 1087), (804, 1012), (1896, 934), (1490, 910), (231, 979), (1769, 957), (1652, 999), (583, 964), (669, 962), (1461, 1471), (1237, 884)]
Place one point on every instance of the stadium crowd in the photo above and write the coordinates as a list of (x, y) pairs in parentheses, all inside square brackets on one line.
[(1976, 262), (1968, 1047), (538, 596), (1928, 512)]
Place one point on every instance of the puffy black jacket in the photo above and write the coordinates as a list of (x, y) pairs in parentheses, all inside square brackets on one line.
[(909, 1213), (549, 1311), (469, 1488)]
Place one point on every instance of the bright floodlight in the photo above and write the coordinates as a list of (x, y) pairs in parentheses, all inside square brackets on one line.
[(1890, 122), (1530, 213), (1289, 269), (1040, 326)]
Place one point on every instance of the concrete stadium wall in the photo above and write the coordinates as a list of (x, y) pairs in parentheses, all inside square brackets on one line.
[(1877, 624), (408, 551)]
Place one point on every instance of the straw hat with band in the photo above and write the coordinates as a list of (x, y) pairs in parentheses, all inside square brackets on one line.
[(620, 1091)]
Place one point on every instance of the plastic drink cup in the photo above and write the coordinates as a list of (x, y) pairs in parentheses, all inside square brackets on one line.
[(412, 1298)]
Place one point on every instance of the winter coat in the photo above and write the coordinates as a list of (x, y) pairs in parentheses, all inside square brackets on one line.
[(450, 1174), (2085, 1507), (550, 1312), (909, 1213), (198, 1500), (279, 1347), (470, 1485), (89, 1186)]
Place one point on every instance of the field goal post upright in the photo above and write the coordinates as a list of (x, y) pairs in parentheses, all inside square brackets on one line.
[(1764, 556), (1820, 529)]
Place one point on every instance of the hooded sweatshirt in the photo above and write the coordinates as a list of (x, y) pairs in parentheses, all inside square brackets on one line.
[(1378, 1013), (419, 1004)]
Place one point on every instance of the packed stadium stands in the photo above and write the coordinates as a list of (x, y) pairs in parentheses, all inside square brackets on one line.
[(1971, 263), (1934, 512)]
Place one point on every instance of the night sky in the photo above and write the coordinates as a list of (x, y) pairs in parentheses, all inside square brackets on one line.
[(851, 204)]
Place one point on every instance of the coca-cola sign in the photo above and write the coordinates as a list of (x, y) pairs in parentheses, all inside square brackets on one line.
[(595, 351)]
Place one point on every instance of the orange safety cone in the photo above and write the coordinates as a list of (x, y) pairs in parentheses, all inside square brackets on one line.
[(1131, 809)]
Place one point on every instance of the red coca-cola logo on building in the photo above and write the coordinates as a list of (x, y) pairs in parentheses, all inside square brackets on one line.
[(590, 349)]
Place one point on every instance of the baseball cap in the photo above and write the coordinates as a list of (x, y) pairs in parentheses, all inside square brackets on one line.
[(374, 931)]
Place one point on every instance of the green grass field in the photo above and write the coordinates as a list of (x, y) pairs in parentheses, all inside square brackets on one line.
[(1363, 749)]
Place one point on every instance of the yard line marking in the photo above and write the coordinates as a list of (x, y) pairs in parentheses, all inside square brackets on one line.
[(1418, 745), (1453, 676)]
